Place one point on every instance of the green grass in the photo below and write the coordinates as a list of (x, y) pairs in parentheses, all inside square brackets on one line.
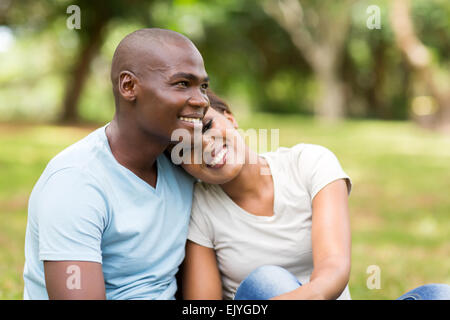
[(400, 208)]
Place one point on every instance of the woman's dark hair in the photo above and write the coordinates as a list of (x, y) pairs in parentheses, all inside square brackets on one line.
[(217, 103)]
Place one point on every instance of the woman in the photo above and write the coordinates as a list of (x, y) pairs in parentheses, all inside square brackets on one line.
[(268, 226)]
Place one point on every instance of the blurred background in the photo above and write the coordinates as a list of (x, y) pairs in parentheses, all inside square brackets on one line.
[(370, 80)]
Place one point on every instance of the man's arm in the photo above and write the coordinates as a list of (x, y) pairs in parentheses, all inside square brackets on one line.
[(72, 213), (74, 280), (201, 277)]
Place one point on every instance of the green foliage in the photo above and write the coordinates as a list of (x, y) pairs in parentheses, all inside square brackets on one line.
[(247, 54)]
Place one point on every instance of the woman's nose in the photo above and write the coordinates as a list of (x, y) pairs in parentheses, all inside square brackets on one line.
[(207, 140)]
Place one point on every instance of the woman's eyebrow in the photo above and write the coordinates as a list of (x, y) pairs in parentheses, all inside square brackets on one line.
[(188, 76)]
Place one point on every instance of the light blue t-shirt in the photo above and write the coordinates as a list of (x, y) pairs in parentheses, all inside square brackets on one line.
[(88, 207)]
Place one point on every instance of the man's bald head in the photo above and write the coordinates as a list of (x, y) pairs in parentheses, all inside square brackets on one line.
[(144, 51), (159, 80)]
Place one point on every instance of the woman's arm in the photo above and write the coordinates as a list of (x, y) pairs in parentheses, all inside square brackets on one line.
[(331, 245), (201, 277)]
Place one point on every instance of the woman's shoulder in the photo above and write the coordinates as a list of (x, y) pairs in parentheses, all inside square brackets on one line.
[(308, 151), (300, 147), (302, 160), (309, 147), (294, 153)]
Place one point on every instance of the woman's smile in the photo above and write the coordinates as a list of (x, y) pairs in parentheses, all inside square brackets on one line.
[(222, 150), (219, 160)]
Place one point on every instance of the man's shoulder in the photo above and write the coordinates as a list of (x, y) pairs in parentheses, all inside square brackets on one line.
[(80, 152), (78, 160)]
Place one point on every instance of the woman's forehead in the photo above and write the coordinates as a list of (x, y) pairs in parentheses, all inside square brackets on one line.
[(212, 112)]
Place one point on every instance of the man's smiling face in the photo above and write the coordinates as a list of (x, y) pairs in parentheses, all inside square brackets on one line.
[(171, 91)]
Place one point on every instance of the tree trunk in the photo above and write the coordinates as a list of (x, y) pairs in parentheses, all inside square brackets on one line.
[(75, 83), (419, 60), (331, 102), (323, 52), (377, 104)]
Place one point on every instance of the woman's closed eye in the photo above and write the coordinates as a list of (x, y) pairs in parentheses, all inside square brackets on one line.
[(207, 126)]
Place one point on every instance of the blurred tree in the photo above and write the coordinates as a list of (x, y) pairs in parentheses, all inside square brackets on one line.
[(419, 59), (4, 8), (322, 49), (249, 58), (95, 16), (376, 78), (282, 56)]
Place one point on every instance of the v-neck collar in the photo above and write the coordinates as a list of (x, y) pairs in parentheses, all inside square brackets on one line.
[(145, 184)]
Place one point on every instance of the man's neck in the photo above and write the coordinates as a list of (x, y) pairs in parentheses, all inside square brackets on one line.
[(134, 149)]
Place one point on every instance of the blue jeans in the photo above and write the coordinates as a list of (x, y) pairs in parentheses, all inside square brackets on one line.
[(268, 281)]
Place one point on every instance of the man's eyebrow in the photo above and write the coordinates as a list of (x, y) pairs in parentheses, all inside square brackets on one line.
[(189, 76)]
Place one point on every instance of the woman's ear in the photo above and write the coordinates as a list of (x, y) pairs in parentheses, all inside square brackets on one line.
[(231, 118), (128, 85)]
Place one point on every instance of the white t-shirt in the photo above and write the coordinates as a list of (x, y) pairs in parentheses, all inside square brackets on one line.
[(243, 241)]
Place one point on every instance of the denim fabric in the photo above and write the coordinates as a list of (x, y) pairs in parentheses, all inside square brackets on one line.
[(266, 282), (269, 281), (432, 291)]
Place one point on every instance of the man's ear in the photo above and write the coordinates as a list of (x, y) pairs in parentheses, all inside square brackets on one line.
[(128, 85), (231, 118)]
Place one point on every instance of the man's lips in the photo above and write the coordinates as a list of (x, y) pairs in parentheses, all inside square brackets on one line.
[(191, 120), (191, 117)]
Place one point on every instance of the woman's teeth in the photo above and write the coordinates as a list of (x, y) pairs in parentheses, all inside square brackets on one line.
[(193, 120), (218, 158)]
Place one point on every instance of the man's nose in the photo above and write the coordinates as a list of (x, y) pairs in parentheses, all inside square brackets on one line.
[(199, 99)]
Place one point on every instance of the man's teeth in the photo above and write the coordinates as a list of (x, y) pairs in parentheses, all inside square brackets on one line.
[(218, 157), (193, 120)]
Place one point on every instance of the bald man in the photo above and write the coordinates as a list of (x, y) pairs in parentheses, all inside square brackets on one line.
[(108, 217)]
